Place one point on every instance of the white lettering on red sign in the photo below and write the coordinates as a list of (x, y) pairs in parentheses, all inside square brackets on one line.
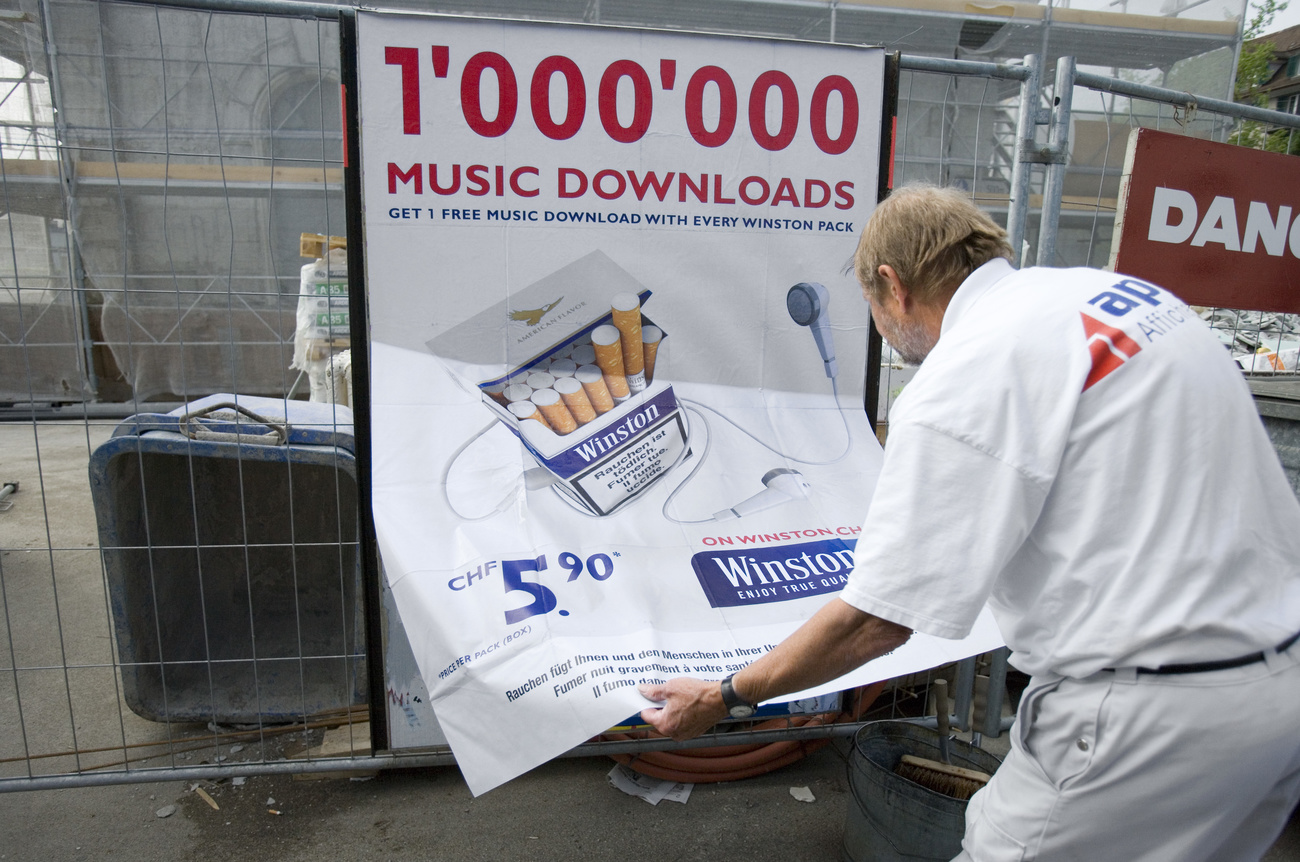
[(1219, 224)]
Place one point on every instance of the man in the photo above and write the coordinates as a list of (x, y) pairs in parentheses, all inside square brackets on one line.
[(1078, 451)]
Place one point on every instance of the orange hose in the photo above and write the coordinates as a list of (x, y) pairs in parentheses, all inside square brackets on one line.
[(733, 762)]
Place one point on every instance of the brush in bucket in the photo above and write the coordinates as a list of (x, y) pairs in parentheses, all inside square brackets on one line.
[(941, 775)]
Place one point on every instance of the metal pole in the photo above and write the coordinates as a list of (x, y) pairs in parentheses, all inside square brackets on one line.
[(1059, 143), (282, 8), (399, 760), (1014, 71), (963, 693), (1018, 205), (1182, 98), (71, 210), (996, 691)]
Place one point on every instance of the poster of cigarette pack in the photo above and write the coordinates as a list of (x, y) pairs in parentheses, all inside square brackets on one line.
[(568, 365), (616, 361)]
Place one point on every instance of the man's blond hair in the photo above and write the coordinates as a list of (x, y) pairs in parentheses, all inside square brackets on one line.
[(933, 238)]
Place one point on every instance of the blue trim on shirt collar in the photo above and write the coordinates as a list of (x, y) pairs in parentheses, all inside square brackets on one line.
[(975, 286)]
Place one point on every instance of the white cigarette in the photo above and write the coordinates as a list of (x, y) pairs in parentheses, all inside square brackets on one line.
[(555, 411), (583, 355), (609, 356), (527, 410), (593, 381), (604, 335), (562, 368), (541, 380), (575, 396), (626, 315), (518, 392), (651, 336)]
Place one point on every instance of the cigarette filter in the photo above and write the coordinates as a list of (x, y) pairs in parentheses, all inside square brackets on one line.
[(593, 383), (583, 354), (541, 380), (496, 392), (576, 398), (556, 413), (609, 356), (528, 410), (626, 313), (650, 338), (562, 368), (518, 392)]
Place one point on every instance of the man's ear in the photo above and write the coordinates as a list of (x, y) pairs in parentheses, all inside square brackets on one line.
[(897, 289)]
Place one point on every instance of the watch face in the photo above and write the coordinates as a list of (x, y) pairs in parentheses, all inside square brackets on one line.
[(741, 710)]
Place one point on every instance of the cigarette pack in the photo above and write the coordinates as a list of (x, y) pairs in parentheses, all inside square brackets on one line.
[(566, 365)]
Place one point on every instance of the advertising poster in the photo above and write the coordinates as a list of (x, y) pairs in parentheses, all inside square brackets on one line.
[(617, 359)]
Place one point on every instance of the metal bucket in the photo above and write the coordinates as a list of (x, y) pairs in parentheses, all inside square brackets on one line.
[(891, 818)]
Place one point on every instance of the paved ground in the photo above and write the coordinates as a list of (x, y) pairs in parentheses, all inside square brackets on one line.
[(55, 615), (562, 811)]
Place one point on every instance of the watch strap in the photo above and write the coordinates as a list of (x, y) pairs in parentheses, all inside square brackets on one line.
[(730, 698)]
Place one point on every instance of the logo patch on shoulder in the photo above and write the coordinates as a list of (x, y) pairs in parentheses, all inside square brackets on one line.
[(1109, 347)]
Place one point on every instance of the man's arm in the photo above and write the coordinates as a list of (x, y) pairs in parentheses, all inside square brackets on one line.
[(836, 640)]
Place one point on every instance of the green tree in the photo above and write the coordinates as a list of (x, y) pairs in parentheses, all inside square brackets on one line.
[(1252, 74)]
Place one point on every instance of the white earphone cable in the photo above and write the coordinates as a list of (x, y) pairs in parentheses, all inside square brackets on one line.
[(451, 462), (848, 434), (704, 453)]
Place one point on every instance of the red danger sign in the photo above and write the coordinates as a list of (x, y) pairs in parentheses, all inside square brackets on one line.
[(1217, 224)]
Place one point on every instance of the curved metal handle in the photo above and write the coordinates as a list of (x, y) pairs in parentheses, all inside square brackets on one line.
[(278, 435)]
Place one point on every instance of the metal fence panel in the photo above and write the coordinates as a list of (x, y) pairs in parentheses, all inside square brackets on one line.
[(198, 147), (42, 336), (182, 602)]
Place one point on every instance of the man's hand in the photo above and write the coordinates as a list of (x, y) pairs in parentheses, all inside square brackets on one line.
[(691, 706), (836, 640)]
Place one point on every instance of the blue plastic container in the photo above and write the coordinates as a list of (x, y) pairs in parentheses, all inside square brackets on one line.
[(230, 544)]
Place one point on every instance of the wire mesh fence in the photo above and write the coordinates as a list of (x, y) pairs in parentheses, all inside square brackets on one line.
[(1103, 114), (174, 603), (169, 599)]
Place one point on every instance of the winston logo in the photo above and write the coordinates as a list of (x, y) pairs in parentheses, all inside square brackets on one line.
[(756, 576), (1109, 347), (533, 316)]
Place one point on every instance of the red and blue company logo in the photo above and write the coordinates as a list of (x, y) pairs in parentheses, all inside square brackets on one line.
[(1109, 347)]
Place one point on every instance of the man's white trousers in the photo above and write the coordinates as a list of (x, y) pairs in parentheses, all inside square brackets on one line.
[(1126, 767)]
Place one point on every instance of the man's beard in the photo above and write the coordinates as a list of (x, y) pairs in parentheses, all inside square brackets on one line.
[(909, 339)]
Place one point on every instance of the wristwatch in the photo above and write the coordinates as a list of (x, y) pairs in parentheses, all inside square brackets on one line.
[(736, 706)]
